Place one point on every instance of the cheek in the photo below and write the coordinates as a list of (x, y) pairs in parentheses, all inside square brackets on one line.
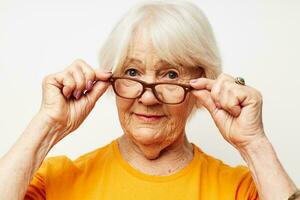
[(182, 111), (124, 107), (178, 117), (167, 130)]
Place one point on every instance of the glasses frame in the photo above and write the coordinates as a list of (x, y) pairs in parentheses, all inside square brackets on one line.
[(146, 85)]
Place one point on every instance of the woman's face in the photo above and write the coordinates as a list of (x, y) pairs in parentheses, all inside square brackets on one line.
[(152, 125)]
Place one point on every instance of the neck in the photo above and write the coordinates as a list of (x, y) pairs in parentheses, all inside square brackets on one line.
[(169, 160)]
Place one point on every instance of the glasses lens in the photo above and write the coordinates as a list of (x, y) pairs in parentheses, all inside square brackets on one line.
[(128, 88), (169, 93)]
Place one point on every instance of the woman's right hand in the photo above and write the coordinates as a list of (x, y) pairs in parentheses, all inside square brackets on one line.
[(64, 103)]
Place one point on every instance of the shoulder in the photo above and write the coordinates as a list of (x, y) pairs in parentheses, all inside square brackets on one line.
[(218, 169), (215, 163), (58, 165), (231, 179)]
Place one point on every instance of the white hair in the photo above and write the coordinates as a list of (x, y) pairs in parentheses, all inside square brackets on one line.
[(180, 33)]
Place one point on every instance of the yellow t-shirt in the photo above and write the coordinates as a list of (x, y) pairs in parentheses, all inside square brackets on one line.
[(104, 175)]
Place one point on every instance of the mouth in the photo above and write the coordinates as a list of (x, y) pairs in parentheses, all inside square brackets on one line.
[(148, 118)]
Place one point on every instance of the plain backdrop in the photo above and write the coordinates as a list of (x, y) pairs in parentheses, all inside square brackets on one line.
[(258, 39)]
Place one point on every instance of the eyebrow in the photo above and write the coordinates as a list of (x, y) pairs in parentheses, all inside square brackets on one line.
[(165, 65), (161, 63), (131, 59)]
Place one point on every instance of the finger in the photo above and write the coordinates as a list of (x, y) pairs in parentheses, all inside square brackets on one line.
[(225, 77), (87, 71), (99, 76), (230, 103), (202, 83), (66, 82), (215, 93), (102, 76), (80, 81), (89, 75), (204, 98), (98, 89), (218, 87)]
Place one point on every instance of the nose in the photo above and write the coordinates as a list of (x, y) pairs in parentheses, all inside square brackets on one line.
[(148, 98)]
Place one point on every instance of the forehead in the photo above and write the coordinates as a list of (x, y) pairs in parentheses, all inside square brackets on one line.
[(142, 51), (141, 44)]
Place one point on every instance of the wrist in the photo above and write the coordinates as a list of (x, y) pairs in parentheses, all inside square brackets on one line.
[(266, 169), (41, 131), (54, 125), (259, 143), (33, 144), (257, 151)]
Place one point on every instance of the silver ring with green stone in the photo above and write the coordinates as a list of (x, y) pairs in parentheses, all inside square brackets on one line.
[(240, 80)]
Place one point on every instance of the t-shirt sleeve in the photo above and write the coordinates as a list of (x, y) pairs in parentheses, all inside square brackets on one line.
[(240, 183), (246, 188), (47, 177), (36, 189)]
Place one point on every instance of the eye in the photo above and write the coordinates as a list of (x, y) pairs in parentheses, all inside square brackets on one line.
[(131, 72), (172, 74)]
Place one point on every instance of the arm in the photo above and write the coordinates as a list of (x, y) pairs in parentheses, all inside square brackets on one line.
[(237, 112), (271, 180), (59, 115), (18, 165)]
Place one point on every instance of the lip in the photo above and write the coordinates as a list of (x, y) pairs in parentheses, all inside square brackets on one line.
[(148, 118)]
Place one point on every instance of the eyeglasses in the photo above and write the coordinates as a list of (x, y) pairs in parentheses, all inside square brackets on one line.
[(165, 92)]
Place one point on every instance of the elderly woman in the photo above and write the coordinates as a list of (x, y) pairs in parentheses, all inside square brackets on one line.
[(165, 65)]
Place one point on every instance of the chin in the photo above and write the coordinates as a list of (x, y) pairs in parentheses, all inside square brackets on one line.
[(147, 136), (150, 141)]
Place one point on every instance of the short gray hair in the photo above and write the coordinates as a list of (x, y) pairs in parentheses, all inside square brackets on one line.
[(179, 30)]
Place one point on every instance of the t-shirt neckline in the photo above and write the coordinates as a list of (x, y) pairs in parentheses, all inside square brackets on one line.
[(154, 178)]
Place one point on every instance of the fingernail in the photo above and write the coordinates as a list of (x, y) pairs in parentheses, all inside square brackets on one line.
[(89, 85), (69, 95), (193, 80), (77, 94)]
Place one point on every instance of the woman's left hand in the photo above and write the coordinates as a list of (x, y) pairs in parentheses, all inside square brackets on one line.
[(236, 109)]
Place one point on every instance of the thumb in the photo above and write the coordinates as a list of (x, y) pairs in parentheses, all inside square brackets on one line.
[(204, 98), (100, 85), (97, 91)]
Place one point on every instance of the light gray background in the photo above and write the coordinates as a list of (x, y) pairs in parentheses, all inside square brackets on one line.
[(258, 40)]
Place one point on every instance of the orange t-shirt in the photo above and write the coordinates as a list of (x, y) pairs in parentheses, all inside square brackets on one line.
[(104, 175)]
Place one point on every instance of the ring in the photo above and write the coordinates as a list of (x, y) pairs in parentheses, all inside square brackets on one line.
[(240, 80)]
